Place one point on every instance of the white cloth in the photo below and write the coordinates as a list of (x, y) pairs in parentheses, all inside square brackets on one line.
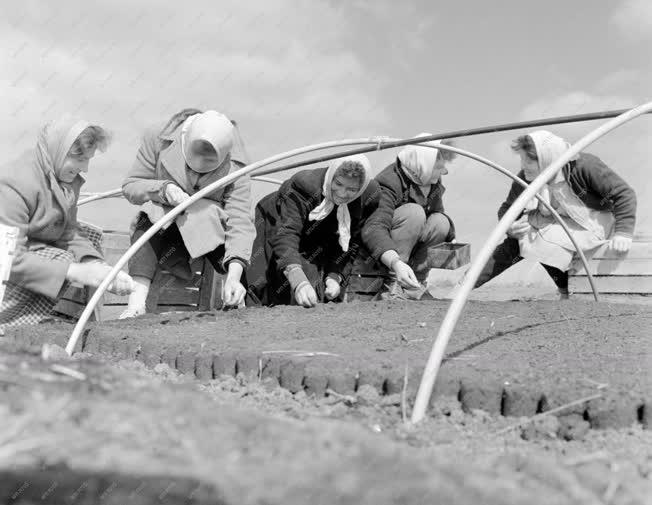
[(549, 147), (209, 126), (54, 141), (418, 162), (327, 205), (201, 225), (548, 243)]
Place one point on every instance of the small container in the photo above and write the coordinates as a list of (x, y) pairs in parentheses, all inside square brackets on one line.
[(449, 256)]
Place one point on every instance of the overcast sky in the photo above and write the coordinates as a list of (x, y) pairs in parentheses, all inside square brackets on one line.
[(295, 72)]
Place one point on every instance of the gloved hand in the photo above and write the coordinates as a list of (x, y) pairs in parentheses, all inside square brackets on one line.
[(122, 285), (175, 195), (404, 275), (519, 228), (333, 288), (94, 272), (620, 243), (305, 295)]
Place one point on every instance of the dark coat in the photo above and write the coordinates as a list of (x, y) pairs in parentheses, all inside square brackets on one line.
[(397, 189), (599, 187), (286, 236)]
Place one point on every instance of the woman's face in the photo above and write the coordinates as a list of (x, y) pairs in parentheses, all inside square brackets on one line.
[(202, 161), (74, 165), (439, 170), (530, 167), (344, 188)]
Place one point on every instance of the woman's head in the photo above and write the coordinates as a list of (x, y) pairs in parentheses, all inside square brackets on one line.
[(426, 165), (350, 177), (538, 150), (524, 146), (65, 146), (82, 150), (206, 140), (347, 181)]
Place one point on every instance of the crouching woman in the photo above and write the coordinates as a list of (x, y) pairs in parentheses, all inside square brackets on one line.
[(308, 233), (596, 204), (38, 195), (410, 217), (192, 151)]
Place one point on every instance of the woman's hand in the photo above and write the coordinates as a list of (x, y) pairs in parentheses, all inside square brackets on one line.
[(519, 228), (333, 288), (93, 273), (405, 275), (122, 285), (175, 195), (233, 292), (620, 243), (305, 295)]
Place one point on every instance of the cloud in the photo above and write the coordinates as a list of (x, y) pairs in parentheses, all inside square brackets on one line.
[(633, 18), (285, 70)]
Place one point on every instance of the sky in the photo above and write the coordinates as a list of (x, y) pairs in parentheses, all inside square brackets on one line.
[(297, 73)]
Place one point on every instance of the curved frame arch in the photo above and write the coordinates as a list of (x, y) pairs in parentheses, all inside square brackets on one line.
[(88, 310), (452, 315)]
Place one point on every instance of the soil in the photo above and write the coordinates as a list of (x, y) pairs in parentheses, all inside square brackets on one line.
[(335, 431)]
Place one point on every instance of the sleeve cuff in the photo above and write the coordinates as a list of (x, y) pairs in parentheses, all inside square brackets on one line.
[(161, 192), (235, 260), (295, 275), (336, 277)]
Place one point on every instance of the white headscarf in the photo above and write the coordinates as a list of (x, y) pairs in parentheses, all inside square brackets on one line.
[(212, 127), (418, 162), (327, 205), (54, 141), (549, 147)]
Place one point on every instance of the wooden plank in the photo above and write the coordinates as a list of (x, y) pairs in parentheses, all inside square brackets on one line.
[(612, 284), (209, 288), (116, 240), (639, 250), (365, 264), (69, 308), (627, 266), (366, 283)]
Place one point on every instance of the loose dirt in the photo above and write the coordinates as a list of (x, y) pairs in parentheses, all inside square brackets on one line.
[(334, 433)]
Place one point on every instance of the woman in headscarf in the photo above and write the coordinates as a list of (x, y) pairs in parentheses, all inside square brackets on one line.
[(596, 204), (410, 217), (38, 195), (193, 150), (308, 232)]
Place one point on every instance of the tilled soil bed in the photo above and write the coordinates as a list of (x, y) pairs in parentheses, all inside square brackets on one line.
[(88, 432), (187, 408), (509, 358)]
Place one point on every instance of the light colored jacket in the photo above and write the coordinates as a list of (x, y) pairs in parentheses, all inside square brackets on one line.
[(34, 203), (160, 162)]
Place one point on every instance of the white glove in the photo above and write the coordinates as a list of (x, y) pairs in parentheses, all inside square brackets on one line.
[(175, 195), (620, 243)]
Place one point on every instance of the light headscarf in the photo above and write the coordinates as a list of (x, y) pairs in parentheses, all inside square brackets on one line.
[(54, 141), (418, 162), (212, 127), (327, 205), (549, 147)]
